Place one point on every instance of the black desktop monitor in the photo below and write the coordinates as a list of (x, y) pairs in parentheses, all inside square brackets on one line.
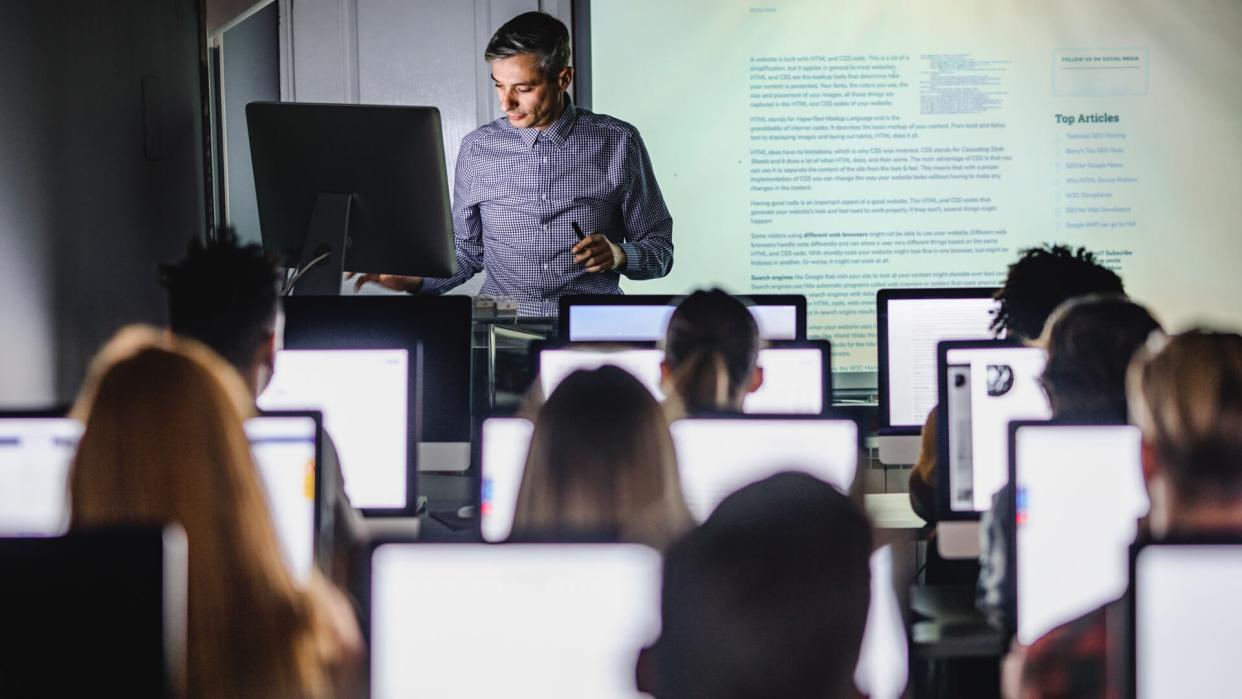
[(909, 323), (441, 325), (644, 317), (94, 613), (984, 385), (368, 180)]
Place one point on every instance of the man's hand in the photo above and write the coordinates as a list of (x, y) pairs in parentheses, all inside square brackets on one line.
[(395, 282), (598, 253)]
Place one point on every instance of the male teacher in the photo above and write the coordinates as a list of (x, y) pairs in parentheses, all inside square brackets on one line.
[(550, 199)]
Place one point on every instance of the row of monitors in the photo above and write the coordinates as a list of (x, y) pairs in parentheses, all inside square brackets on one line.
[(562, 620), (36, 453)]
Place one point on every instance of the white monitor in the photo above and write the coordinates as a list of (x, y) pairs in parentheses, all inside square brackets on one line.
[(1079, 494), (1187, 613), (505, 441), (363, 395), (285, 449), (985, 385), (793, 377), (477, 620), (718, 456), (616, 322), (911, 327), (35, 456)]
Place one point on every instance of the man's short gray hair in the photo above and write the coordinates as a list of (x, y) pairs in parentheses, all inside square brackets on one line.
[(535, 33)]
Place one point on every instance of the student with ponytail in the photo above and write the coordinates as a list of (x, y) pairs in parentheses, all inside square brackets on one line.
[(711, 352)]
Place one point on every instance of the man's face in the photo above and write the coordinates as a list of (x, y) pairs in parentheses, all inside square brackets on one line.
[(529, 99)]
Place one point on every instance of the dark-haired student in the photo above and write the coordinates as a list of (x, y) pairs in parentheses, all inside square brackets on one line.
[(1186, 397), (601, 465), (1041, 279), (225, 295), (711, 354), (1090, 341), (767, 599)]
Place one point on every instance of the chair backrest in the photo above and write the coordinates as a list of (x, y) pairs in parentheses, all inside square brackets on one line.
[(94, 613)]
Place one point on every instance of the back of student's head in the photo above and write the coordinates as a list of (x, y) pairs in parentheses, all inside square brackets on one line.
[(601, 465), (1090, 342), (1043, 278), (164, 443), (711, 348), (224, 295), (768, 598), (1186, 396)]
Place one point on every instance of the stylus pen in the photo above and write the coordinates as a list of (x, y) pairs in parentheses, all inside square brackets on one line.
[(578, 230)]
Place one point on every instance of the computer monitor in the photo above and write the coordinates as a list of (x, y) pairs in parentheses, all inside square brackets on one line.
[(909, 323), (98, 612), (797, 376), (504, 443), (1185, 613), (440, 395), (644, 317), (984, 385), (287, 453), (716, 456), (517, 619), (364, 398), (366, 181), (883, 660), (1077, 496), (36, 450)]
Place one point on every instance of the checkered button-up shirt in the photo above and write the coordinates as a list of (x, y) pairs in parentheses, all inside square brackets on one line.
[(517, 193)]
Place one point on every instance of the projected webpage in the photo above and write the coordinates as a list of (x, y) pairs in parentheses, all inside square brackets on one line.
[(834, 148), (915, 328), (284, 452), (793, 378), (35, 456), (642, 323), (506, 441), (1186, 619), (528, 620), (363, 396), (987, 388), (717, 457), (1080, 494)]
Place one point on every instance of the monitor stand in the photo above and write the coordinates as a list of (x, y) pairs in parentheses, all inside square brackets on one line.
[(323, 253), (898, 449)]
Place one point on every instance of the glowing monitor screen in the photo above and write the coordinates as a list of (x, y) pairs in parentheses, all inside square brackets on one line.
[(522, 619), (284, 452), (718, 456), (647, 323), (986, 388), (1079, 495), (914, 327), (35, 455), (793, 378), (363, 395), (1187, 613), (505, 443)]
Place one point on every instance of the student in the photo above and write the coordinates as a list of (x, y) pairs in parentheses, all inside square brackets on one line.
[(1186, 397), (1040, 280), (224, 295), (1090, 341), (768, 598), (601, 465), (164, 444), (711, 354)]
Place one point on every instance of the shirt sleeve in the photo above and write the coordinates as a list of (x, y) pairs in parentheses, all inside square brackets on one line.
[(467, 225), (648, 243)]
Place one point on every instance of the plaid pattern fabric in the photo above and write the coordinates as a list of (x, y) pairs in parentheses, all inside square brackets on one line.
[(1072, 660), (517, 193)]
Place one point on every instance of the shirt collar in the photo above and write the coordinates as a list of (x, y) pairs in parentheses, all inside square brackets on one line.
[(557, 132)]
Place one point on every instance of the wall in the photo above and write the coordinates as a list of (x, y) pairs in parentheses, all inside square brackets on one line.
[(101, 178)]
